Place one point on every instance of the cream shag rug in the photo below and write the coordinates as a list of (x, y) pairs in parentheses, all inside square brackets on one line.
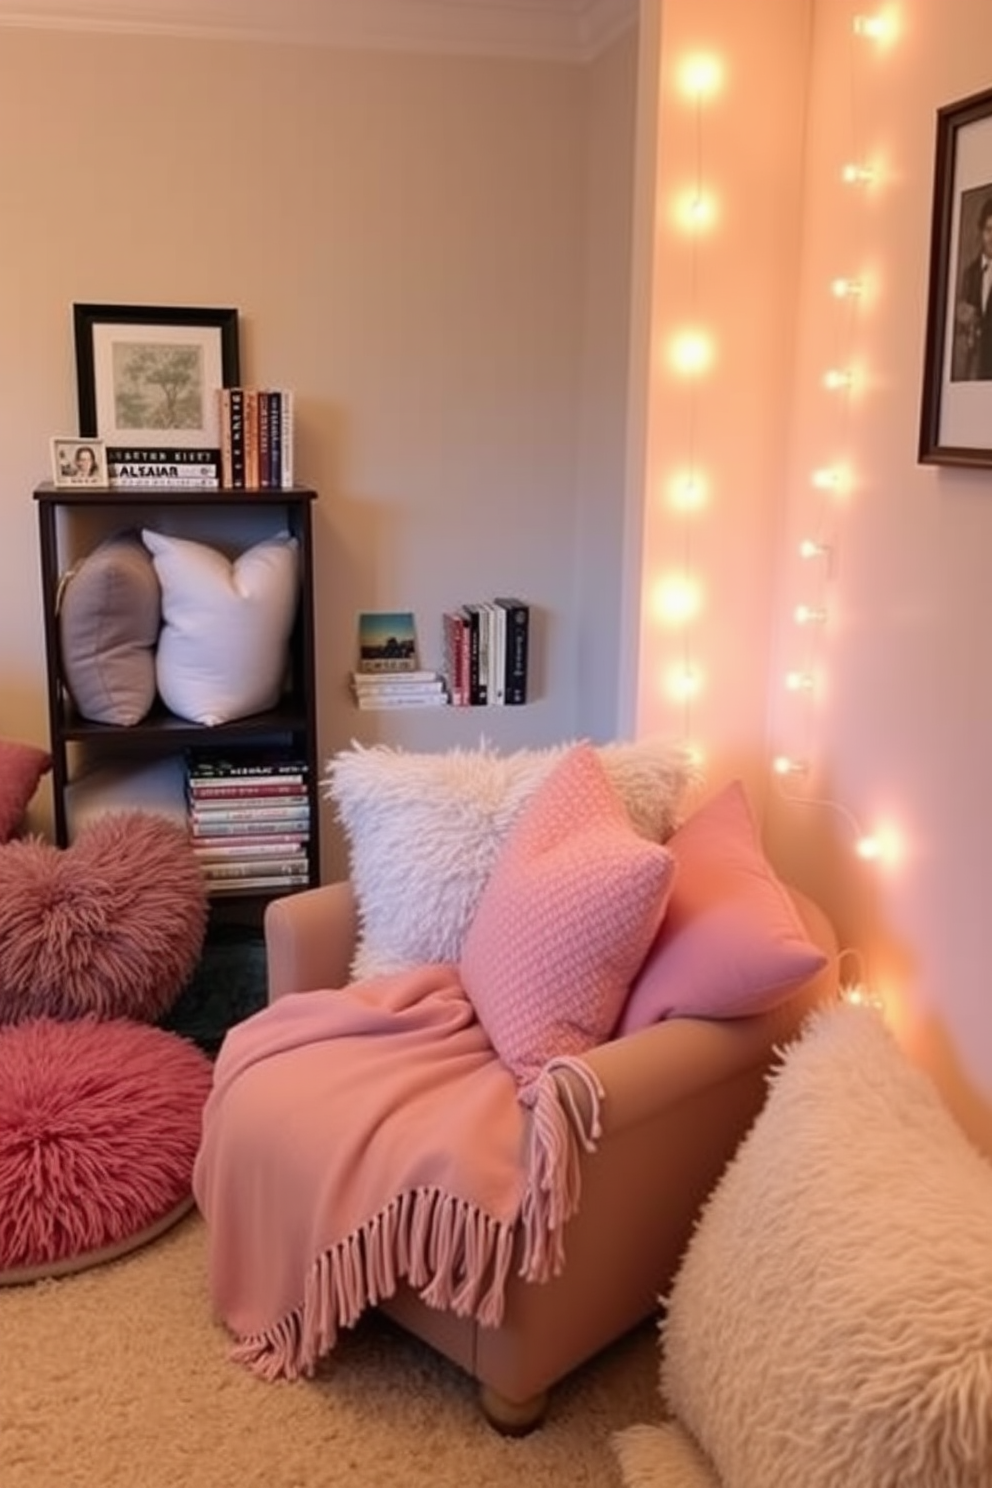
[(118, 1377)]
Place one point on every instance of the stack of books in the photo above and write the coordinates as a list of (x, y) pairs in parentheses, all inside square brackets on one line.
[(256, 438), (416, 689), (163, 468), (486, 653), (249, 818)]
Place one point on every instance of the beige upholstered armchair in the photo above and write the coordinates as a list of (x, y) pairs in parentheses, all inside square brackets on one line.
[(679, 1095)]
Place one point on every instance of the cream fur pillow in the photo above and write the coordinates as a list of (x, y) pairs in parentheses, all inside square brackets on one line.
[(831, 1322), (424, 831)]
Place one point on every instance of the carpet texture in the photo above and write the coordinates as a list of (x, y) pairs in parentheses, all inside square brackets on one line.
[(118, 1377)]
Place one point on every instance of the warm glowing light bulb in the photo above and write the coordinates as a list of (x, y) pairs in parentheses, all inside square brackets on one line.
[(692, 353), (784, 764), (860, 995), (701, 76), (684, 683), (696, 211), (873, 26), (847, 288), (868, 848), (837, 378), (810, 548), (798, 681), (677, 599), (857, 174), (688, 492), (808, 615), (827, 478)]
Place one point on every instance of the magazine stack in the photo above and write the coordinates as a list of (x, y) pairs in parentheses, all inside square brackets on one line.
[(249, 821)]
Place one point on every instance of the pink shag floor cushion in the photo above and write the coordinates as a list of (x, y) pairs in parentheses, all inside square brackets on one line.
[(99, 1127), (112, 925)]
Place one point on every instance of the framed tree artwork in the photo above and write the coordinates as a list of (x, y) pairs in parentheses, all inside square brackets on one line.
[(148, 376), (956, 414)]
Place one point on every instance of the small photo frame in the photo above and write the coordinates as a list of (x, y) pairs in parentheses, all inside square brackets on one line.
[(78, 462), (387, 641)]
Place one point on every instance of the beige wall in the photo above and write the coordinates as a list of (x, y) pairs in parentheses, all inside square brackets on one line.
[(406, 239), (897, 732)]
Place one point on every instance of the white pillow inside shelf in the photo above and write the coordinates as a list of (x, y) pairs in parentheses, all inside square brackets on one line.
[(222, 651)]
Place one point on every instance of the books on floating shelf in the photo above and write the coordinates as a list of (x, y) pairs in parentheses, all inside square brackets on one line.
[(486, 648), (416, 689)]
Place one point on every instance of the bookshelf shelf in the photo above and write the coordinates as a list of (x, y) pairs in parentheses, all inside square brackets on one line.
[(71, 522)]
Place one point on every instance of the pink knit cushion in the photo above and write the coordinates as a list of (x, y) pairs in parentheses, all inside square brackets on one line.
[(732, 942), (21, 769), (99, 1127), (571, 907)]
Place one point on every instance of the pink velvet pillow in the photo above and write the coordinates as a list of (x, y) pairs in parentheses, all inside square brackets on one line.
[(732, 942), (567, 915), (21, 768)]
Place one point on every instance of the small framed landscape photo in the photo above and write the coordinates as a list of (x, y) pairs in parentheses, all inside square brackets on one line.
[(956, 415), (78, 462), (387, 641)]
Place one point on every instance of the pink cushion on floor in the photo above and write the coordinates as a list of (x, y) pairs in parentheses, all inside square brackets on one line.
[(21, 769), (732, 942), (569, 911), (112, 925), (99, 1126)]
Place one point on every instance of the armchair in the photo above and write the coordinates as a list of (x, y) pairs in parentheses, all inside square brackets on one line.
[(679, 1096)]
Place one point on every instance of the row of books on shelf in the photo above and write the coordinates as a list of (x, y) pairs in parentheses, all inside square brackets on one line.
[(256, 438), (486, 649), (249, 821), (255, 449)]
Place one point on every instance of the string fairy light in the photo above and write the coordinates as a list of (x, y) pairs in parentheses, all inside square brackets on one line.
[(678, 597), (832, 482)]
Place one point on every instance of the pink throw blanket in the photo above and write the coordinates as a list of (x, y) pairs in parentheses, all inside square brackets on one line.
[(357, 1138)]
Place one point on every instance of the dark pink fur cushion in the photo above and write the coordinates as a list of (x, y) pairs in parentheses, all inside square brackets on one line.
[(21, 768), (99, 1127), (112, 925)]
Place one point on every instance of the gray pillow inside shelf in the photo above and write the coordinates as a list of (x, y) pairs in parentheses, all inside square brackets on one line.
[(110, 614)]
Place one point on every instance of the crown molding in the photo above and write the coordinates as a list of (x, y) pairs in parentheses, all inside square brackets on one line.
[(553, 30)]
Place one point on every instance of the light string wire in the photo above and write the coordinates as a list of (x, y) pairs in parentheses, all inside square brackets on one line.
[(831, 482)]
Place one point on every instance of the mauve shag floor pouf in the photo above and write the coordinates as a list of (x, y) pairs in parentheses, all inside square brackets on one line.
[(99, 1127), (112, 925)]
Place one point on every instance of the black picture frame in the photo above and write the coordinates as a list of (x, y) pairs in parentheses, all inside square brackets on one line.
[(956, 409), (122, 355)]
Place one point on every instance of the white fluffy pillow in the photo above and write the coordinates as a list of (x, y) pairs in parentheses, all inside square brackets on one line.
[(424, 831), (831, 1322), (222, 651)]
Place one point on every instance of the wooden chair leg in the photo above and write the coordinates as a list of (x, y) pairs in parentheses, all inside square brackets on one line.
[(512, 1417)]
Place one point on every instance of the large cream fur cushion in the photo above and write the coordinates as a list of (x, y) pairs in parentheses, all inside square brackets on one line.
[(424, 831), (831, 1323)]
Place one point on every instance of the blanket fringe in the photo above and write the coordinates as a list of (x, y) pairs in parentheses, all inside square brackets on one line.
[(456, 1256), (554, 1182)]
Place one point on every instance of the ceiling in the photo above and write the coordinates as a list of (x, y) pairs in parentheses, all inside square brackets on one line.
[(563, 30)]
